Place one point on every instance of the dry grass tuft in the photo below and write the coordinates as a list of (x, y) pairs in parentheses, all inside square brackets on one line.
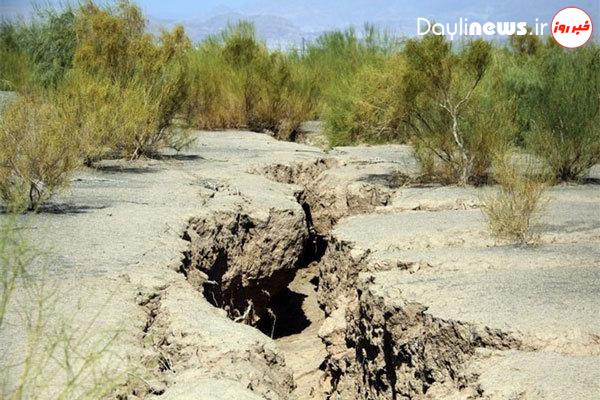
[(514, 206)]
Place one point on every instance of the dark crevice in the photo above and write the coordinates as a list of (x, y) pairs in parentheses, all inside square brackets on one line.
[(212, 287), (316, 244), (186, 261), (390, 364), (263, 303), (288, 317)]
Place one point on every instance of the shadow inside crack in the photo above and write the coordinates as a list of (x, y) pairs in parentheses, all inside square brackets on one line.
[(288, 316)]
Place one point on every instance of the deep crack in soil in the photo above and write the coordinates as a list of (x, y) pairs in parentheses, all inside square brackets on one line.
[(283, 304), (288, 277), (302, 348)]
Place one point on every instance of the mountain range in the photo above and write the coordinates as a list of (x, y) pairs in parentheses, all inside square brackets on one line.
[(289, 22), (276, 31)]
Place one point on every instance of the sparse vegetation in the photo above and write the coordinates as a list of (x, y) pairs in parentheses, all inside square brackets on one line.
[(369, 107), (455, 123), (94, 84), (516, 203), (357, 81), (149, 77), (118, 91), (14, 259), (56, 360), (450, 104), (91, 83)]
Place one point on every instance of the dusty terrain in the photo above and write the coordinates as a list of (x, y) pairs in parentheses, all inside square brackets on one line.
[(247, 268)]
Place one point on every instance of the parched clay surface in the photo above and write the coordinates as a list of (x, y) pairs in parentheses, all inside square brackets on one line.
[(468, 306), (113, 249), (247, 268)]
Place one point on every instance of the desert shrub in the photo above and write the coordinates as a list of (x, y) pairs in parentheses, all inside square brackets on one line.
[(284, 101), (105, 119), (528, 44), (337, 54), (151, 109), (37, 153), (120, 87), (14, 64), (558, 99), (516, 203), (14, 69), (97, 117), (368, 107), (235, 81), (47, 43), (357, 76), (335, 57), (50, 43), (456, 126), (214, 100), (112, 41), (148, 75)]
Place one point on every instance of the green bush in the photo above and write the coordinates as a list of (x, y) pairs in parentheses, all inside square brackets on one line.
[(235, 81), (15, 71), (456, 124), (37, 153), (46, 44), (149, 78), (558, 98), (284, 102), (117, 88), (368, 107), (445, 102), (96, 115), (215, 100), (527, 45), (105, 119), (334, 59)]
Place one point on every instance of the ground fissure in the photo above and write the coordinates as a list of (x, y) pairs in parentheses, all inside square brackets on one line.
[(370, 289), (343, 339), (286, 304)]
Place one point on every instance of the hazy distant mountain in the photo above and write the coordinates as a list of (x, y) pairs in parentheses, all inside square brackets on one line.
[(326, 14), (287, 22), (284, 23), (276, 31)]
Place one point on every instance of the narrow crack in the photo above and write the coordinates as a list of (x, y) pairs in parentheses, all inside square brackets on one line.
[(140, 384)]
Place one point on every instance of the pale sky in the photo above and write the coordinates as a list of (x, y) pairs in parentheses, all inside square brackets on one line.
[(327, 14)]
